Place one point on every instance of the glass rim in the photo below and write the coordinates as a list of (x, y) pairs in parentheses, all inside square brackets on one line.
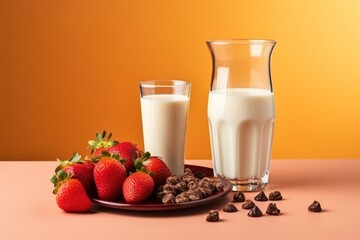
[(240, 41), (166, 83)]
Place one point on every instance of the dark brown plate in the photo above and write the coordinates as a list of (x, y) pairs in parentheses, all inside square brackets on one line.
[(152, 205)]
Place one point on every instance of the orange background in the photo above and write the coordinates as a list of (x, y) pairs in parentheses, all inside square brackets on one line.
[(69, 69)]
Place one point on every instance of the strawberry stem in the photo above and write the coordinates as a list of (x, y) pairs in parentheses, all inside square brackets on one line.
[(101, 142), (106, 154), (60, 177), (75, 158), (139, 161)]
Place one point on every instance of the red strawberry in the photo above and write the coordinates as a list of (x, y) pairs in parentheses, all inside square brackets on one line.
[(81, 170), (138, 187), (127, 151), (109, 176), (155, 166), (70, 193)]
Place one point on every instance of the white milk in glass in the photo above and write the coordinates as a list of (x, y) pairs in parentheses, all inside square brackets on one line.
[(164, 120), (241, 127)]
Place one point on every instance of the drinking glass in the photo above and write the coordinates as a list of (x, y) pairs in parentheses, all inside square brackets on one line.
[(241, 111), (164, 112)]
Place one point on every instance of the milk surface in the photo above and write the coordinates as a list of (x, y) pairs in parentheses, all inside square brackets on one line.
[(164, 120), (241, 122)]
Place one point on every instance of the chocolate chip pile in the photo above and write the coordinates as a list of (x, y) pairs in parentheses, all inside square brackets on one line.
[(255, 211), (188, 187)]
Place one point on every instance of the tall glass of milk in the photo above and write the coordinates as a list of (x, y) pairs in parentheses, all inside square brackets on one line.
[(164, 113), (241, 111)]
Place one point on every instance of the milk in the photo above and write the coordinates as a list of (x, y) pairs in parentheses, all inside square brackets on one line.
[(241, 122), (164, 120)]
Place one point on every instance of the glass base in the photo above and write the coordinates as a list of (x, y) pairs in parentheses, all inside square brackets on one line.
[(247, 186), (251, 185)]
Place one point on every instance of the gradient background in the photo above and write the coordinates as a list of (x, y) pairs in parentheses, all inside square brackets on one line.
[(69, 69)]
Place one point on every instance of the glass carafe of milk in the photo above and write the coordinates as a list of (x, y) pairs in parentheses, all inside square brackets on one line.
[(241, 111)]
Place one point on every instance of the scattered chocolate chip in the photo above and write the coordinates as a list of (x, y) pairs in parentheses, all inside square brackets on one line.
[(261, 197), (239, 197), (230, 208), (315, 207), (255, 212), (272, 209), (274, 196), (213, 216), (248, 204)]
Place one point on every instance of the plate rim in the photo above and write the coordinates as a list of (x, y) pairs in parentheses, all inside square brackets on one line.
[(165, 207)]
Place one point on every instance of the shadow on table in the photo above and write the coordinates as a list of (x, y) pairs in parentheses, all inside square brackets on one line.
[(196, 210)]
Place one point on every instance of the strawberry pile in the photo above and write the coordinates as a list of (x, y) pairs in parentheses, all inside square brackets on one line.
[(115, 171)]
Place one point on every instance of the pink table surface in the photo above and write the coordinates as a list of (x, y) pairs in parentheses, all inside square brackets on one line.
[(28, 209)]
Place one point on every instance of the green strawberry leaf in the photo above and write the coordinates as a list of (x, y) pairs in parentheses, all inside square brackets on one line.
[(75, 158), (105, 154), (101, 141), (54, 180), (103, 135), (62, 175), (146, 155), (92, 142), (138, 164), (144, 170), (116, 156)]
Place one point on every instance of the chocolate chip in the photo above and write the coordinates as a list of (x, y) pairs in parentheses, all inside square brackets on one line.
[(255, 212), (274, 196), (194, 195), (182, 198), (239, 197), (172, 180), (205, 190), (272, 209), (213, 216), (200, 175), (261, 197), (180, 187), (168, 198), (315, 207), (168, 188), (192, 185), (230, 208), (248, 204), (219, 186)]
